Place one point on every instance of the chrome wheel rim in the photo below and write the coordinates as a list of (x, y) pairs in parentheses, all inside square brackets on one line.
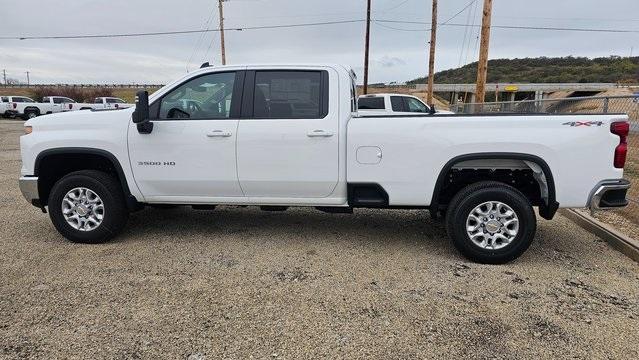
[(83, 209), (492, 225), (31, 115)]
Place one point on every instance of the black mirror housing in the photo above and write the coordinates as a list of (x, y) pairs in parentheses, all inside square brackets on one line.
[(141, 113)]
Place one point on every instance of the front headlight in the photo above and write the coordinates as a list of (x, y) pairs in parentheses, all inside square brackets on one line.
[(28, 130)]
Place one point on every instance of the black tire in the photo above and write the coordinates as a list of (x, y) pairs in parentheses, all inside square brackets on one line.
[(29, 114), (467, 199), (107, 188)]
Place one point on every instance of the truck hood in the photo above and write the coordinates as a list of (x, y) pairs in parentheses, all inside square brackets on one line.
[(81, 119)]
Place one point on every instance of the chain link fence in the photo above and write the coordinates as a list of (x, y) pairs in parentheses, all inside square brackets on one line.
[(581, 105)]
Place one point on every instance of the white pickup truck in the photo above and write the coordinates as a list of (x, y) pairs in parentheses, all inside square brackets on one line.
[(399, 104), (100, 103), (31, 109), (10, 104), (280, 136)]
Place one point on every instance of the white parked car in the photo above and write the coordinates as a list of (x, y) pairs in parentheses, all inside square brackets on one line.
[(279, 136), (100, 103), (397, 104), (26, 108), (110, 103), (10, 104)]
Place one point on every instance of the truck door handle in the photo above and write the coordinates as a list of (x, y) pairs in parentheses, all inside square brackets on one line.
[(218, 133), (319, 133)]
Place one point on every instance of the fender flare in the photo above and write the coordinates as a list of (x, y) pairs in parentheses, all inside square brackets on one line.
[(32, 108), (546, 211), (132, 202)]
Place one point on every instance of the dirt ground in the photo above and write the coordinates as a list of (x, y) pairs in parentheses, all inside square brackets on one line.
[(239, 283)]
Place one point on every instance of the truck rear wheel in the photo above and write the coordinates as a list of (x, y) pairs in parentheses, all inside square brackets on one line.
[(30, 114), (88, 207), (491, 222)]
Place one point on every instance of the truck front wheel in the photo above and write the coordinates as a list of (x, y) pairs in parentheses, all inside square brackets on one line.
[(88, 207), (491, 222)]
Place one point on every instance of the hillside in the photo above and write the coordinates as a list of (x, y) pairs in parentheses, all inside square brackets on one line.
[(547, 70)]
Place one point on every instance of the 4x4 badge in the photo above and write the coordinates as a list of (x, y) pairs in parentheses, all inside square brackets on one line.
[(583, 123)]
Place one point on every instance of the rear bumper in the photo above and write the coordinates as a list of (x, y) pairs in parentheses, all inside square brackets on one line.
[(609, 194), (29, 189)]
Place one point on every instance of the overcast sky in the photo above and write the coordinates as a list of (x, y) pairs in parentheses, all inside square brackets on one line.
[(397, 52)]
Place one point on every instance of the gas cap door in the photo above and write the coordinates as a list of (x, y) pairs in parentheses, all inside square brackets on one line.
[(369, 155)]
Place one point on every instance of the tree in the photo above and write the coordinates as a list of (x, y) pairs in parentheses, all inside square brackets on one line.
[(11, 81)]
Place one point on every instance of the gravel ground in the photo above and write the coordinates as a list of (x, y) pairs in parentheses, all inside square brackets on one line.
[(240, 283), (620, 222)]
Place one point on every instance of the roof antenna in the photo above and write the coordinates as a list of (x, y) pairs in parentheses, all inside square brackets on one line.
[(205, 65)]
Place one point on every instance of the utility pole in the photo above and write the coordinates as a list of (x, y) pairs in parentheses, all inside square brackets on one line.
[(28, 81), (482, 66), (221, 8), (431, 57), (4, 75), (368, 35)]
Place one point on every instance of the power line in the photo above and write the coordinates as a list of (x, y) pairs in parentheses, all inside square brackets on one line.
[(461, 52), (199, 40), (475, 52), (179, 32), (427, 30), (520, 27), (407, 15), (398, 29), (197, 31), (571, 19), (459, 12), (396, 6)]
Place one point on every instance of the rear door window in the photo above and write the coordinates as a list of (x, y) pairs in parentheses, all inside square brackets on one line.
[(289, 95), (371, 103)]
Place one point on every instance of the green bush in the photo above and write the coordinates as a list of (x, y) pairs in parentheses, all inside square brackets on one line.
[(611, 69)]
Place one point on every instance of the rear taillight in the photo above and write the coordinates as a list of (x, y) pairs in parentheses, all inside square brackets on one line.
[(70, 106), (15, 105), (621, 129)]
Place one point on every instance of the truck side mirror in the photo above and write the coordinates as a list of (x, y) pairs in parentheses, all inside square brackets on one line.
[(141, 113)]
